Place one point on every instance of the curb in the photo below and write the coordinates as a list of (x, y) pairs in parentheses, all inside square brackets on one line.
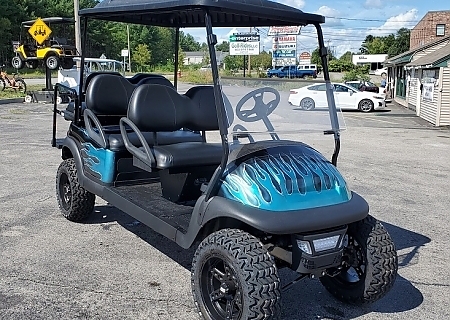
[(12, 100)]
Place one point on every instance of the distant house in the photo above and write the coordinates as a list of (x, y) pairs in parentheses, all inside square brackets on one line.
[(433, 26), (197, 57)]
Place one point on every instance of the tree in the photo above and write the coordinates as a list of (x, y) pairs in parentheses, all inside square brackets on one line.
[(224, 46), (141, 56), (401, 42)]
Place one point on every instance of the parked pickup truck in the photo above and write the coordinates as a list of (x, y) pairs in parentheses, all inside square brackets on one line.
[(292, 72)]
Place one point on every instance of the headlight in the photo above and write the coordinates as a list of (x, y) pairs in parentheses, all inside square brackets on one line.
[(326, 243), (377, 97)]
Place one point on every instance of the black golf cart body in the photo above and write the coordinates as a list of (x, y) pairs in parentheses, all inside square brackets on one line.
[(147, 149)]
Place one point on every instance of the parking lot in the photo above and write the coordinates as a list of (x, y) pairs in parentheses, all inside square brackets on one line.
[(113, 267)]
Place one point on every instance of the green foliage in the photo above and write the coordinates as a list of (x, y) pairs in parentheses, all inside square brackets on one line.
[(356, 74), (141, 56), (391, 44), (224, 46)]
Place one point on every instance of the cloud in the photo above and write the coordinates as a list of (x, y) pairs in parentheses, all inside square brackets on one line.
[(404, 20), (293, 3), (370, 4), (330, 12)]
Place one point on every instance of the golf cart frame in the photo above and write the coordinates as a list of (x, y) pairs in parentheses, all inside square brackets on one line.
[(172, 179), (53, 52)]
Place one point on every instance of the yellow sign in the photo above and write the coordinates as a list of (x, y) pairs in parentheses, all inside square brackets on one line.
[(39, 31)]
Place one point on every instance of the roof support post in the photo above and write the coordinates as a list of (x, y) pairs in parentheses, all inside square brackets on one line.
[(323, 51), (177, 52), (213, 185)]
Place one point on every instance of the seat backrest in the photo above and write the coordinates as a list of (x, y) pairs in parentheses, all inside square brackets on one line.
[(139, 77), (108, 94), (92, 75), (155, 79), (156, 107), (203, 115)]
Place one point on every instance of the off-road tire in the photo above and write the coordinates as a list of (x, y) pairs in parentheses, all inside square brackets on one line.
[(52, 62), (253, 271), (16, 62), (381, 264), (75, 202), (67, 63)]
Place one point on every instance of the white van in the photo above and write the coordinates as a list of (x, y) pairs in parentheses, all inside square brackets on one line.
[(307, 67)]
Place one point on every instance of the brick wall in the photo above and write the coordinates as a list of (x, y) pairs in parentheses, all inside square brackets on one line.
[(425, 31)]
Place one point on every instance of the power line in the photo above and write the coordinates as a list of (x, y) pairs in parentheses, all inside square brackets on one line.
[(373, 20)]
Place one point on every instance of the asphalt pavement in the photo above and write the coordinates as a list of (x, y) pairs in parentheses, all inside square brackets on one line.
[(113, 267)]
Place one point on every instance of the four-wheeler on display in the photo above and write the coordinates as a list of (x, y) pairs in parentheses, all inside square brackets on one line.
[(223, 167), (54, 52)]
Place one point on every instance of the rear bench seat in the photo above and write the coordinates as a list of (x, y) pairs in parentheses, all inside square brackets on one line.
[(157, 108), (107, 98)]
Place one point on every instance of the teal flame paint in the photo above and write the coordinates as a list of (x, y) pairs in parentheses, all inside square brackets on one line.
[(100, 161), (282, 181)]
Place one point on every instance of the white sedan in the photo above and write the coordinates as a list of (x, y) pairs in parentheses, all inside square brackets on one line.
[(346, 97)]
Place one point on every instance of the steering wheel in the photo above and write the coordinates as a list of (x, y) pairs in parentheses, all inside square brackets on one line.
[(260, 110)]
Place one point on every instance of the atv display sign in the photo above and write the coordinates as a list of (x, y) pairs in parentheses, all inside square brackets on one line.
[(39, 31), (244, 44)]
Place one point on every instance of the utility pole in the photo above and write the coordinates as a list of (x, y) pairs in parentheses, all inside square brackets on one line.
[(249, 66), (76, 7)]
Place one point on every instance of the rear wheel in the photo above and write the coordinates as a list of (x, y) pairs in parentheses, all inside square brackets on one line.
[(20, 86), (67, 63), (234, 277), (75, 202), (307, 104), (2, 84), (365, 105), (370, 264), (52, 62), (16, 62)]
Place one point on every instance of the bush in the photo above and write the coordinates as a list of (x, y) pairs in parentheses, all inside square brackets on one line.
[(355, 74)]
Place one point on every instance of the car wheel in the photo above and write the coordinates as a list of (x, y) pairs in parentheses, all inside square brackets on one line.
[(75, 202), (305, 76), (32, 64), (307, 104), (16, 62), (365, 105), (52, 62), (234, 277), (370, 264)]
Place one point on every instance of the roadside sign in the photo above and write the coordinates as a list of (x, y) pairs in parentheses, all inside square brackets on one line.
[(304, 58), (274, 31), (124, 53), (39, 31), (244, 44)]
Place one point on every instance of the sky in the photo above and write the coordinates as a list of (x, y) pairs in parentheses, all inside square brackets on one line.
[(347, 22)]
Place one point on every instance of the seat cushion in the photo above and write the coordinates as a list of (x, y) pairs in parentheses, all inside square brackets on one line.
[(187, 154), (116, 141)]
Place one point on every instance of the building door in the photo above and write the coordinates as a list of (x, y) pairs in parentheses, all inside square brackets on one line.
[(400, 83)]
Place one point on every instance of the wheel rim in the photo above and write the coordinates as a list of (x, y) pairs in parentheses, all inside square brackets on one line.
[(16, 63), (65, 191), (221, 290), (20, 86), (52, 63), (355, 262), (307, 104), (366, 105)]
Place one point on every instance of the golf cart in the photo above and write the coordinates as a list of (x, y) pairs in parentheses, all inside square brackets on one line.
[(223, 167), (54, 52)]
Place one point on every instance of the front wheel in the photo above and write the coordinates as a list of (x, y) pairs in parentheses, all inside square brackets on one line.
[(366, 105), (20, 86), (52, 62), (307, 104), (75, 202), (16, 62), (370, 264), (234, 277)]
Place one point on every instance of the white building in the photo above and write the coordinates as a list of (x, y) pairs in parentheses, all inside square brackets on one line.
[(375, 60)]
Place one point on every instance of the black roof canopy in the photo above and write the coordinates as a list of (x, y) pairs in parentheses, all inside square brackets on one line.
[(50, 20), (190, 13)]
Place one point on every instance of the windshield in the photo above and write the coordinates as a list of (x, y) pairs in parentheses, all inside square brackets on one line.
[(276, 109)]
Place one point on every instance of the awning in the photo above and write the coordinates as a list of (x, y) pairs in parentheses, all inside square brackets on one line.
[(433, 59), (398, 60)]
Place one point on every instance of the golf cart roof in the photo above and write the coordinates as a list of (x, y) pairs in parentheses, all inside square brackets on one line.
[(190, 13), (51, 20)]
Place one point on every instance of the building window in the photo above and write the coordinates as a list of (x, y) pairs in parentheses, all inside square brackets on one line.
[(440, 30)]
